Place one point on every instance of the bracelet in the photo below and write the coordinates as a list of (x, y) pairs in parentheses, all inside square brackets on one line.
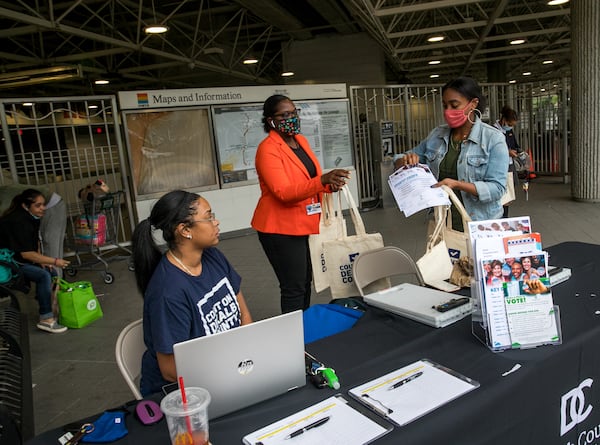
[(55, 261)]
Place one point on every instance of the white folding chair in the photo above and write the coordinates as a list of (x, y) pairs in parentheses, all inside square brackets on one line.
[(384, 262), (129, 350)]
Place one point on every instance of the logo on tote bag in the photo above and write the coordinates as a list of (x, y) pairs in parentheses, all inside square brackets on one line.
[(91, 305), (346, 269)]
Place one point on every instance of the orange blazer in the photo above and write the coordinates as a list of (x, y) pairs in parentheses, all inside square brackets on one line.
[(286, 188)]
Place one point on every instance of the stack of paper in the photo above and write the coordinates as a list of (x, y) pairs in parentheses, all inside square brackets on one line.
[(411, 187)]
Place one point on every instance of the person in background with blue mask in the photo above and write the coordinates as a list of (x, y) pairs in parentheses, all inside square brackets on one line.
[(506, 124), (467, 155), (20, 232)]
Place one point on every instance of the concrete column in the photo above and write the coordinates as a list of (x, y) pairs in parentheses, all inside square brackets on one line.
[(585, 106)]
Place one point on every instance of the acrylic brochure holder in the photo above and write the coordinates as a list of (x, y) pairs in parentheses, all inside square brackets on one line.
[(512, 293)]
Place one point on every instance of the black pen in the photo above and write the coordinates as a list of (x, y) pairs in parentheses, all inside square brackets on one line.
[(406, 380), (307, 427)]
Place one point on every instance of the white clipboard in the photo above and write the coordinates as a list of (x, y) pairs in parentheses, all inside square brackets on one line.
[(410, 392), (330, 422)]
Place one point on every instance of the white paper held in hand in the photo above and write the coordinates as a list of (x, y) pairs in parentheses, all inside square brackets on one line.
[(411, 187)]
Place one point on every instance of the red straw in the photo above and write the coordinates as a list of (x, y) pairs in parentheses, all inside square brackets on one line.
[(182, 388), (184, 400)]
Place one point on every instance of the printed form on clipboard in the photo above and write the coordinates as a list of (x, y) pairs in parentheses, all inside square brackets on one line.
[(411, 187), (408, 393), (330, 422)]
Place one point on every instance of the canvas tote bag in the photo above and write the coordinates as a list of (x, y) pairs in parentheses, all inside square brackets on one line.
[(509, 195), (332, 226), (456, 241), (340, 254), (435, 265)]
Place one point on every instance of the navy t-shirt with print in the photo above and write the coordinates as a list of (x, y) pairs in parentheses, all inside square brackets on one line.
[(179, 307)]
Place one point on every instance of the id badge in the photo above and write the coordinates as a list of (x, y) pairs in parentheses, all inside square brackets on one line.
[(313, 208)]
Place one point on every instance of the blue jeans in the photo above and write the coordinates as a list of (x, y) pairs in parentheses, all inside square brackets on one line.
[(42, 278)]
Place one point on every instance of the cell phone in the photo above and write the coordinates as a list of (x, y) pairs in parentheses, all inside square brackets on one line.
[(555, 271), (170, 387), (453, 303)]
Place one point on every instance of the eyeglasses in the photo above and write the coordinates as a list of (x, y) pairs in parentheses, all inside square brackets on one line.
[(211, 218), (288, 114)]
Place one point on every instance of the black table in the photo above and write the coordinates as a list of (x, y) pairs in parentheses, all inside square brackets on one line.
[(551, 399)]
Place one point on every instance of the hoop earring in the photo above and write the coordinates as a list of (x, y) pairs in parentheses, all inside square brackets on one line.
[(476, 112)]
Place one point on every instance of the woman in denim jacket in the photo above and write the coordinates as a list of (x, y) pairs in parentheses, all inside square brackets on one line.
[(466, 155)]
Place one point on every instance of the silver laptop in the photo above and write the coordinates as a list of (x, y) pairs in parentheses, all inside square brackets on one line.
[(245, 365), (419, 303)]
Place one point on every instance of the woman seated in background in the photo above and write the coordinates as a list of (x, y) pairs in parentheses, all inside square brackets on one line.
[(20, 232), (189, 291)]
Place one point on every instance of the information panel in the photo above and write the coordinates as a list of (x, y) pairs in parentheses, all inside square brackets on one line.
[(239, 130)]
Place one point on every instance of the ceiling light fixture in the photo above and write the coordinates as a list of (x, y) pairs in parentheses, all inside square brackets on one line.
[(28, 104), (434, 39), (527, 73), (250, 61), (287, 74), (557, 2), (156, 29), (517, 41), (102, 82), (435, 62), (548, 62), (512, 81), (434, 76)]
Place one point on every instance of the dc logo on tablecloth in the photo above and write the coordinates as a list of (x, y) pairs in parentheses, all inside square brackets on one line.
[(573, 409)]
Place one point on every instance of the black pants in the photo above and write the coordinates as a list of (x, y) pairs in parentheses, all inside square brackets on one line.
[(290, 257)]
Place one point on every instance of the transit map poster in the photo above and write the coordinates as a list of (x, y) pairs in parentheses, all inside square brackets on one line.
[(238, 131)]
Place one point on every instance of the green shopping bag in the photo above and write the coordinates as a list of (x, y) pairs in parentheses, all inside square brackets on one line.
[(77, 304)]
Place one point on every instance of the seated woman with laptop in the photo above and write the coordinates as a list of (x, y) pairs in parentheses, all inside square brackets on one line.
[(189, 291)]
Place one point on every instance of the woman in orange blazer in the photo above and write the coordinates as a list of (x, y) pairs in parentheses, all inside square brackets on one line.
[(289, 208)]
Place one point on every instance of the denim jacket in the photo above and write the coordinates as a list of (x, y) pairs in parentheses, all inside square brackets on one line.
[(482, 161)]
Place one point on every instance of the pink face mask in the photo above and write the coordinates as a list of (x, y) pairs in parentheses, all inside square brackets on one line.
[(455, 118)]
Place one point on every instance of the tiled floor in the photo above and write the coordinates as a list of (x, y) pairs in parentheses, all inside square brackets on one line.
[(75, 374)]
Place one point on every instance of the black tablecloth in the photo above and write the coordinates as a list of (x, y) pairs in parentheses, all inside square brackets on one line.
[(551, 399)]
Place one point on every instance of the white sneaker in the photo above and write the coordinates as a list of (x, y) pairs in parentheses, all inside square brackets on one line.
[(51, 326)]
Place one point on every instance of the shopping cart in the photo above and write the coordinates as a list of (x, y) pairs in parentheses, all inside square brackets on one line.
[(94, 234)]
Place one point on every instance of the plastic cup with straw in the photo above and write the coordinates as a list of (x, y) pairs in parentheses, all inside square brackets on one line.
[(186, 414)]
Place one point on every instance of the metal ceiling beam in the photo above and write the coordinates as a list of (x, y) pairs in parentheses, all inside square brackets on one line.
[(476, 24), (43, 23), (271, 12), (382, 12), (500, 7), (435, 46)]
